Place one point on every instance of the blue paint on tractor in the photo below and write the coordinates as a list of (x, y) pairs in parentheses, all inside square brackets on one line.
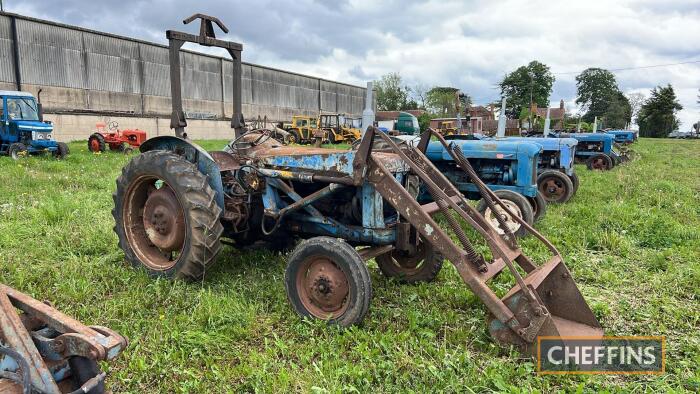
[(590, 144), (502, 165), (623, 136)]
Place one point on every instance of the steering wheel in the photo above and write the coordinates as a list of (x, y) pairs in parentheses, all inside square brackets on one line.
[(113, 125), (265, 135)]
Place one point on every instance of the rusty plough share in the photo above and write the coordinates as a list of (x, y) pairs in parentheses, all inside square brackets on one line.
[(43, 350)]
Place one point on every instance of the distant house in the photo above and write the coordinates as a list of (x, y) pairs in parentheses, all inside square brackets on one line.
[(556, 116), (478, 115)]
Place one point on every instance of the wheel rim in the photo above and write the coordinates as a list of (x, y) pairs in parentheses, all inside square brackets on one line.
[(154, 223), (94, 145), (512, 224), (599, 163), (553, 188), (323, 287)]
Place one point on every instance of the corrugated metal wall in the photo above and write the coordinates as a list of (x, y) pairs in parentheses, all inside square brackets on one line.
[(113, 71)]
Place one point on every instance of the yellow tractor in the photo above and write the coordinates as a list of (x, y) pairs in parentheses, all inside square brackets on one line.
[(304, 130), (339, 128), (447, 128)]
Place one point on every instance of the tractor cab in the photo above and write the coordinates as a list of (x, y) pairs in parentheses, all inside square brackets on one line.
[(22, 129)]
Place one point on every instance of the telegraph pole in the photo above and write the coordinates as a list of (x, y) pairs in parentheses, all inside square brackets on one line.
[(2, 9)]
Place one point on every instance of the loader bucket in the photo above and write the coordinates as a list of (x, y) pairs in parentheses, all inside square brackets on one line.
[(567, 313)]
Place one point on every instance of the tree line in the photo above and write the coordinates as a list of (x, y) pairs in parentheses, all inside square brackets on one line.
[(598, 96)]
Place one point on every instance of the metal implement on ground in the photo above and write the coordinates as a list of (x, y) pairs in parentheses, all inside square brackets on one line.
[(23, 130), (108, 135), (45, 351), (175, 202)]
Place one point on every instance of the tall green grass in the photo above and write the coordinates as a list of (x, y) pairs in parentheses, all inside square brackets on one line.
[(631, 238)]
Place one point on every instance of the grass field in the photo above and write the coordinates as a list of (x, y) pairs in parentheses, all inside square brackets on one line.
[(631, 237)]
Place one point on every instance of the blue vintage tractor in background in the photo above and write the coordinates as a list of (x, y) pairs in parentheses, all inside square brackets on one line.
[(597, 150), (507, 168), (22, 129), (623, 136)]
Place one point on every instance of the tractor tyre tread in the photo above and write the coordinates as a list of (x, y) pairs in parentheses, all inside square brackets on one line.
[(15, 149), (199, 205), (563, 178), (100, 139)]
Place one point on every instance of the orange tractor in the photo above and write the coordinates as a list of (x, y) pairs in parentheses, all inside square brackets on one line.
[(119, 140)]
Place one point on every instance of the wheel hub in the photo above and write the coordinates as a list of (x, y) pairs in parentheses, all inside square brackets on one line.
[(326, 286), (552, 188), (512, 224), (164, 220)]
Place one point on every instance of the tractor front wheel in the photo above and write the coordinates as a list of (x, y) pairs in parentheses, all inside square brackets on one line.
[(421, 266), (166, 216), (294, 136), (539, 206), (517, 204), (600, 162), (327, 279), (555, 186), (96, 143), (17, 151), (61, 151)]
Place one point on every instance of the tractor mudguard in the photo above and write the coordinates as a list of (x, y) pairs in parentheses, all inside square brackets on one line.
[(194, 154)]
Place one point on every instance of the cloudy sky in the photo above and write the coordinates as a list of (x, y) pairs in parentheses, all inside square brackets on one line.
[(465, 44)]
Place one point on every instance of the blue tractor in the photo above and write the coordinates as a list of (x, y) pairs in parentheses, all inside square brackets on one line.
[(22, 129), (625, 137), (597, 150), (507, 168), (556, 180)]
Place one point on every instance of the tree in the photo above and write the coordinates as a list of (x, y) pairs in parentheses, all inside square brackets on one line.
[(392, 95), (597, 90), (657, 117), (618, 114), (636, 100), (442, 101), (526, 85), (420, 94)]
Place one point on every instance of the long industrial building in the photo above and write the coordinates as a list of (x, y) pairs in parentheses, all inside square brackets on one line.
[(87, 76)]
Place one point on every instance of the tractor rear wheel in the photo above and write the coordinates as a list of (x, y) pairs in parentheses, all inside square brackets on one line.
[(600, 162), (555, 186), (575, 181), (515, 203), (423, 266), (327, 279), (166, 216), (61, 151), (96, 143), (17, 151), (539, 206), (294, 136)]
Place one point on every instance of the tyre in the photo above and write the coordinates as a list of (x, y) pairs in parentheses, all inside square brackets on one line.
[(600, 162), (166, 216), (326, 279), (294, 136), (83, 369), (517, 204), (334, 137), (575, 181), (61, 151), (96, 143), (17, 151), (539, 206), (556, 187), (423, 266)]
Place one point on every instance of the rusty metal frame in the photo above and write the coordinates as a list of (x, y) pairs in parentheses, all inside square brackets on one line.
[(206, 37), (46, 338)]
